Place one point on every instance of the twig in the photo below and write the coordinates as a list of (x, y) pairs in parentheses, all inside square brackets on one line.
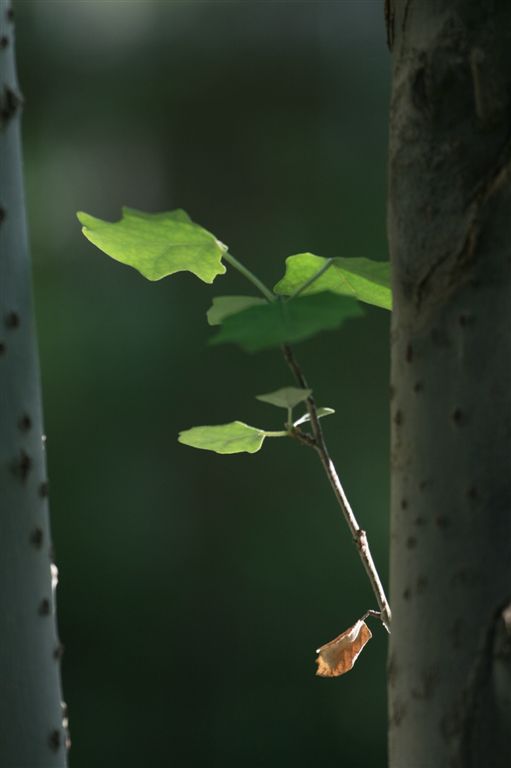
[(317, 441), (302, 437), (359, 535)]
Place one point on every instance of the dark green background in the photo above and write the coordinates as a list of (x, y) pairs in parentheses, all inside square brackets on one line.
[(194, 587)]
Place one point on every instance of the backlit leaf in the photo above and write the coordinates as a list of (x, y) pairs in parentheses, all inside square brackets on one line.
[(223, 306), (270, 325), (364, 279), (320, 413), (235, 437), (157, 244), (287, 397), (339, 655)]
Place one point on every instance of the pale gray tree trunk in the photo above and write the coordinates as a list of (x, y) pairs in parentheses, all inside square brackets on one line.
[(32, 731), (450, 244)]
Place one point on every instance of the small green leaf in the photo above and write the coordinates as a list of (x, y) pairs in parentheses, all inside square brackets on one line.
[(364, 279), (235, 437), (270, 325), (157, 244), (306, 416), (287, 397), (223, 306)]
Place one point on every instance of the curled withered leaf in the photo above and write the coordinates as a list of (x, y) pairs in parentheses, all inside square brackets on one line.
[(339, 655)]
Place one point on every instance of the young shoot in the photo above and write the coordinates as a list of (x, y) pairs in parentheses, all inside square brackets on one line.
[(315, 294)]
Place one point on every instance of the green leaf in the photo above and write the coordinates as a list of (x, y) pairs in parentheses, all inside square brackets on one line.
[(364, 279), (287, 397), (235, 437), (270, 325), (223, 306), (320, 413), (157, 244)]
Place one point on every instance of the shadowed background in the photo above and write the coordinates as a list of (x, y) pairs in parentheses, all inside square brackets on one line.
[(195, 587)]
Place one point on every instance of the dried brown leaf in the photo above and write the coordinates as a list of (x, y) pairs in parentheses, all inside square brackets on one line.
[(339, 655)]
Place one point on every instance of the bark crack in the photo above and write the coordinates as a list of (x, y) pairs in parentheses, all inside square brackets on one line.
[(405, 15), (475, 725), (482, 694), (389, 23), (454, 266)]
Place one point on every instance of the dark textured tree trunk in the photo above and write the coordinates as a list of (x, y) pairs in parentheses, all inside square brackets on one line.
[(450, 243), (32, 733)]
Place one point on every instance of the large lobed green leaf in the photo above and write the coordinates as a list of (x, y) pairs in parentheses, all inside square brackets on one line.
[(364, 279), (235, 437), (157, 244), (271, 325)]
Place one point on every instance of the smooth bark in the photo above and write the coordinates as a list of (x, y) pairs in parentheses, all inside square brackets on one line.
[(32, 732), (449, 223)]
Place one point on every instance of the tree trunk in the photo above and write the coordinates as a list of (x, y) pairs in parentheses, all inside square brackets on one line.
[(450, 243), (32, 724)]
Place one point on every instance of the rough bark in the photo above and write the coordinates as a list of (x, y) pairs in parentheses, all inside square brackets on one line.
[(32, 732), (449, 223)]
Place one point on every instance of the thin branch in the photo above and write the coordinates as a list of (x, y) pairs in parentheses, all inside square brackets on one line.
[(302, 437), (317, 441), (359, 535)]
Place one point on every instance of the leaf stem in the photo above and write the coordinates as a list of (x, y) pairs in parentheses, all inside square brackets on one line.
[(268, 295), (376, 614), (312, 279), (358, 534), (280, 433)]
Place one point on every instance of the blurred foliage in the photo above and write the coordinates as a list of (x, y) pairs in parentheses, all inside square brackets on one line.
[(194, 587)]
